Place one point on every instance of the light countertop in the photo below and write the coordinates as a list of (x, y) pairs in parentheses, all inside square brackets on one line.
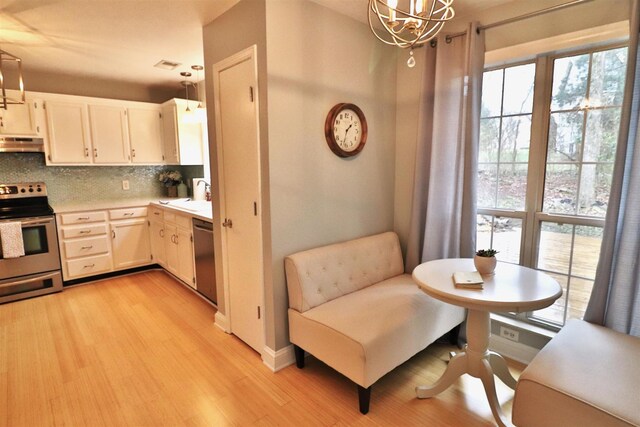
[(164, 203)]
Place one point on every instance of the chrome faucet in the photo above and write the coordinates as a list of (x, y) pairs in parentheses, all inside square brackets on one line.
[(207, 189)]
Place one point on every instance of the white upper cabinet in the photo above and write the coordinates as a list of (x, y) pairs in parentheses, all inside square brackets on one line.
[(20, 119), (183, 139), (69, 136), (145, 134), (96, 131), (109, 134)]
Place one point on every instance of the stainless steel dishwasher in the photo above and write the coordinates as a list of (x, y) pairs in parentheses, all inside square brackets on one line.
[(205, 262)]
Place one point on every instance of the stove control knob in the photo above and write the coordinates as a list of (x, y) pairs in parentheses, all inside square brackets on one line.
[(39, 189), (30, 190), (22, 190)]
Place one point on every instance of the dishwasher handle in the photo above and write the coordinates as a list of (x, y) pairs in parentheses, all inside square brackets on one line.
[(202, 225)]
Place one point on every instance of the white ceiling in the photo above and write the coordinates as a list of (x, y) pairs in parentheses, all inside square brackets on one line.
[(123, 39)]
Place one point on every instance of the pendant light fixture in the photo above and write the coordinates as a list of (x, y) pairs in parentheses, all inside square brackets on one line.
[(186, 83), (201, 112), (7, 100), (407, 29)]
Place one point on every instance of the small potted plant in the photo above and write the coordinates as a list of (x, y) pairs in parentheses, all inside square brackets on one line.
[(485, 261), (171, 179)]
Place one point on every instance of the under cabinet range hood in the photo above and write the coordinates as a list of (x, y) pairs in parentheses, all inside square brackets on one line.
[(13, 144)]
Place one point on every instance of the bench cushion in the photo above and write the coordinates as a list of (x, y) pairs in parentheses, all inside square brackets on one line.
[(322, 274), (587, 375), (367, 333)]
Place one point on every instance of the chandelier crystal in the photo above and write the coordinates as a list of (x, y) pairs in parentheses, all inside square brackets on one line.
[(408, 29)]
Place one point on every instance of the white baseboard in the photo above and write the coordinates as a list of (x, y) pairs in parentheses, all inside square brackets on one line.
[(280, 359), (513, 350), (222, 322)]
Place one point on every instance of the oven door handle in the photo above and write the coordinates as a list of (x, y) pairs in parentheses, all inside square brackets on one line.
[(33, 279), (36, 222)]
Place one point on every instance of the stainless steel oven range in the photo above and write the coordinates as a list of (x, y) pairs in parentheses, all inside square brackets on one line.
[(38, 271)]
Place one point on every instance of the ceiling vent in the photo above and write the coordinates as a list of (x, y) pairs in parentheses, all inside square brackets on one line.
[(167, 65)]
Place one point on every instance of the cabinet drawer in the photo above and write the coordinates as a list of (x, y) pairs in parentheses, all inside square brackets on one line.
[(82, 217), (84, 247), (128, 213), (84, 230), (89, 266), (156, 214)]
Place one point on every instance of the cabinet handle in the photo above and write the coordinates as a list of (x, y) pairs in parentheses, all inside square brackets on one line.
[(161, 232), (156, 213), (86, 152), (84, 231), (95, 152), (128, 214), (83, 218), (133, 152), (113, 234), (87, 247), (89, 266)]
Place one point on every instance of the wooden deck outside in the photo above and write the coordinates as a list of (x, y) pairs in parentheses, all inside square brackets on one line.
[(555, 259)]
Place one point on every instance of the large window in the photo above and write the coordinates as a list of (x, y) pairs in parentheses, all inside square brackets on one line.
[(548, 138)]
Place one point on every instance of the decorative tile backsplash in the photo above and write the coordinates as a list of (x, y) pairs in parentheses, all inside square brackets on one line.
[(70, 184)]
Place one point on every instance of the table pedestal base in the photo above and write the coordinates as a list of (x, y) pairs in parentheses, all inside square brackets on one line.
[(477, 361)]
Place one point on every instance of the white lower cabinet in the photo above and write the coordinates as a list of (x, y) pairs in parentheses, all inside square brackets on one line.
[(97, 242), (178, 245), (87, 250), (156, 237), (130, 243)]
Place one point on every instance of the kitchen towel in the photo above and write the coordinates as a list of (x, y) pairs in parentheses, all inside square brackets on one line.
[(11, 243)]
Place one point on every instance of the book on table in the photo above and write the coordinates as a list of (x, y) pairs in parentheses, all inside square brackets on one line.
[(467, 279)]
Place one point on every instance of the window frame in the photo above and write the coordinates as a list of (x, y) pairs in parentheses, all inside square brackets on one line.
[(533, 215)]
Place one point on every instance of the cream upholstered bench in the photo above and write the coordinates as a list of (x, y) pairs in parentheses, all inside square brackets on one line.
[(587, 375), (352, 306)]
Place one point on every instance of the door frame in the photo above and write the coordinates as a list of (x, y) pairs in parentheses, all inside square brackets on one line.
[(250, 54)]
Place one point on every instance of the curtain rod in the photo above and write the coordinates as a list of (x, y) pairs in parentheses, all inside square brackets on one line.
[(520, 17)]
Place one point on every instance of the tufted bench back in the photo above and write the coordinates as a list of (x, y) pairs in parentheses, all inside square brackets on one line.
[(322, 274)]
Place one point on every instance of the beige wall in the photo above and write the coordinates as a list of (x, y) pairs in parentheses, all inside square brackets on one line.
[(240, 27), (45, 81), (317, 58), (585, 16)]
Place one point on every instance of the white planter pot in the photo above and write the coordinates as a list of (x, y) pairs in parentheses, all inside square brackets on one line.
[(485, 265)]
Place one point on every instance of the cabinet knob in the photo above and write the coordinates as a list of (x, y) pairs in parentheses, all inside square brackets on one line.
[(227, 223)]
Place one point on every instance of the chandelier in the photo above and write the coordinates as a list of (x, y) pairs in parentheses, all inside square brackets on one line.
[(408, 29), (5, 99)]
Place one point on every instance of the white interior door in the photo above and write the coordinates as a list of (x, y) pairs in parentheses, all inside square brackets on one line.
[(235, 81)]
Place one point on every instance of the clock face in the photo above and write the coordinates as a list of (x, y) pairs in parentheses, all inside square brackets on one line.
[(347, 130)]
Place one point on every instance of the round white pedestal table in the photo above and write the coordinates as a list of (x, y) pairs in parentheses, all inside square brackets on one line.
[(512, 288)]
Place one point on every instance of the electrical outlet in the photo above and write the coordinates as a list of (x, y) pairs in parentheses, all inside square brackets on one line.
[(510, 334), (125, 184)]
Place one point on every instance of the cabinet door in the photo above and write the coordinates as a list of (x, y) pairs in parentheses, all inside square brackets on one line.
[(185, 257), (109, 134), (157, 239), (170, 135), (130, 243), (171, 248), (145, 134), (19, 119), (69, 140)]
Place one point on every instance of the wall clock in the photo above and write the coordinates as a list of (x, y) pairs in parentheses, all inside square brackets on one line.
[(345, 129)]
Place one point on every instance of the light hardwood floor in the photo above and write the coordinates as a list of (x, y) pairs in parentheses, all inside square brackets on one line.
[(143, 350)]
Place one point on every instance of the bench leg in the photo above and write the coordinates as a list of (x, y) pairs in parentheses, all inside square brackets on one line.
[(299, 356), (364, 397)]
